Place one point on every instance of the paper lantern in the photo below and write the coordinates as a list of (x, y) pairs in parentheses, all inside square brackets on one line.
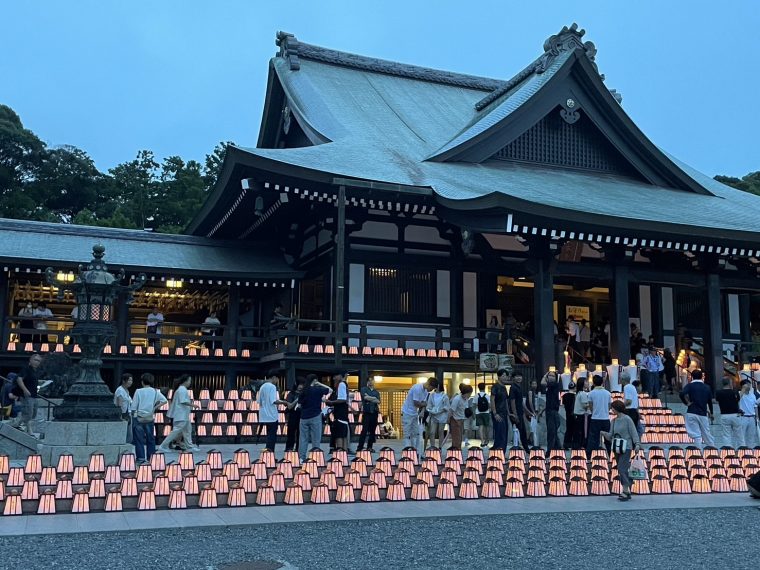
[(449, 474), (320, 494), (236, 496), (345, 493), (208, 498), (97, 463), (578, 487), (33, 465), (496, 474), (265, 496), (81, 502), (341, 455), (513, 488), (11, 347), (303, 479), (335, 466), (204, 352), (310, 466), (681, 485), (128, 486), (63, 489), (454, 455), (444, 490), (557, 487), (31, 490), (49, 477), (395, 491), (701, 484), (378, 351), (409, 352), (360, 466), (293, 495), (144, 474), (388, 352), (434, 453), (47, 503), (316, 454), (220, 484), (97, 488), (600, 486), (190, 484), (177, 498), (496, 454), (472, 474), (82, 475), (370, 492), (329, 478), (640, 487), (490, 489), (66, 463), (242, 458), (475, 454), (352, 477), (12, 504), (277, 481), (660, 485), (378, 477)]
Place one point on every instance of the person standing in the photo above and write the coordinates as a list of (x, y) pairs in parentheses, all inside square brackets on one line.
[(584, 336), (179, 411), (144, 405), (669, 367), (748, 405), (581, 415), (531, 413), (699, 411), (153, 326), (438, 415), (551, 388), (41, 316), (26, 323), (26, 382), (414, 404), (599, 404), (370, 411), (123, 401), (268, 399), (339, 404), (623, 429), (630, 398), (500, 409), (730, 415), (458, 414), (483, 414), (311, 415), (210, 327), (568, 403), (517, 411), (293, 414)]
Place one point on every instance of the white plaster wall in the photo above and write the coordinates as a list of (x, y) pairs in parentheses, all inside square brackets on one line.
[(668, 315), (734, 319), (356, 288), (443, 293), (645, 308), (470, 301)]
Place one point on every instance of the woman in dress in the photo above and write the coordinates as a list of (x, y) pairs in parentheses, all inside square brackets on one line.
[(623, 429)]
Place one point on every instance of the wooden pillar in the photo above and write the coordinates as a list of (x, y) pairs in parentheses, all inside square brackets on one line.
[(456, 311), (340, 275), (122, 322), (744, 319), (656, 301), (233, 319), (230, 379), (543, 316), (620, 344), (713, 331), (5, 311)]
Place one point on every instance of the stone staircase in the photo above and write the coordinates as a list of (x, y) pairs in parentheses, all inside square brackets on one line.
[(16, 443)]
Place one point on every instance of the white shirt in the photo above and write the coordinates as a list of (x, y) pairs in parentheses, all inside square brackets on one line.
[(438, 406), (126, 401), (630, 393), (155, 320), (584, 333), (458, 406), (572, 330), (42, 314), (600, 400), (147, 400), (748, 404), (581, 399), (266, 398), (418, 393), (179, 410), (342, 392)]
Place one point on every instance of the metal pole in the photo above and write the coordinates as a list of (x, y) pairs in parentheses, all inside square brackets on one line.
[(340, 262)]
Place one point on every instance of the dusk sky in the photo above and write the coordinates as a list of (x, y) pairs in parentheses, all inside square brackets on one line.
[(176, 77)]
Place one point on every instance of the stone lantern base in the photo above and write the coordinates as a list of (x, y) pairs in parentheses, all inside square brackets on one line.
[(82, 439)]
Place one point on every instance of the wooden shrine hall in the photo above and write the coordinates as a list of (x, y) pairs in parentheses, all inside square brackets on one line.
[(397, 212)]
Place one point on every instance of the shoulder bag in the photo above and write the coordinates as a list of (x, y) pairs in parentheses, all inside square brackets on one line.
[(619, 444)]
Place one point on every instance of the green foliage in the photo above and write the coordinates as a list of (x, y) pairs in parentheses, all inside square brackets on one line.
[(749, 183), (62, 184)]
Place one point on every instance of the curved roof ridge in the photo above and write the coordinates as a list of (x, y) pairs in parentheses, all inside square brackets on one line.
[(294, 50)]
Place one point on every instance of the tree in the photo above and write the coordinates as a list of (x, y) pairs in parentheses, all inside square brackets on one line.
[(180, 194), (135, 192), (214, 163), (749, 183), (20, 157)]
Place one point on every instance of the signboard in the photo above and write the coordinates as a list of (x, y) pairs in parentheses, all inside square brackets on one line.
[(491, 362), (578, 312)]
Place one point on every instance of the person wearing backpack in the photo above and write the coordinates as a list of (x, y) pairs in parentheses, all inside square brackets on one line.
[(483, 414)]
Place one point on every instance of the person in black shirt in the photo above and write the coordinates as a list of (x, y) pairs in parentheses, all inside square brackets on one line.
[(27, 383), (370, 411), (516, 412), (293, 414), (728, 402), (568, 402), (499, 409), (551, 387)]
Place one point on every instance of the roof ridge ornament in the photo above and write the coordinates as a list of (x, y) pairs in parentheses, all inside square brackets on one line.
[(289, 49), (568, 39)]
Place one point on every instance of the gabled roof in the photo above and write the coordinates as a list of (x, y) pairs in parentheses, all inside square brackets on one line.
[(386, 122), (25, 242)]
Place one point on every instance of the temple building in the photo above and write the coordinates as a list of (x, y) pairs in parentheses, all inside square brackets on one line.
[(409, 219)]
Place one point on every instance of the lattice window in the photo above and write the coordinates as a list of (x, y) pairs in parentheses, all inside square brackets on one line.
[(399, 291), (556, 142)]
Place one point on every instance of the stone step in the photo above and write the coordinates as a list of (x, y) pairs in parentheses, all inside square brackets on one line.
[(16, 443)]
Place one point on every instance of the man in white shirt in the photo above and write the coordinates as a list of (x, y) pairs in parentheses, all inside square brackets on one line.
[(123, 401), (599, 402), (41, 315), (153, 326), (748, 404), (630, 398), (415, 402), (268, 398), (145, 403)]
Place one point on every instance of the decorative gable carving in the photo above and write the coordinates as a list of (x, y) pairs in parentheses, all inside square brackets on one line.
[(575, 143)]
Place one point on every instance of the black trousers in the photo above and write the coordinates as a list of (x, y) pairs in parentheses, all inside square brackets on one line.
[(271, 434), (634, 414), (569, 430), (596, 427), (294, 431), (579, 431), (552, 429), (369, 425)]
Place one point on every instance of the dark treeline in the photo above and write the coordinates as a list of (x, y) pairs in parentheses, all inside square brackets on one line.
[(61, 184)]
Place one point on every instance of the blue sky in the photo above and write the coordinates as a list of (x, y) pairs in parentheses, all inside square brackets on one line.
[(177, 76)]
